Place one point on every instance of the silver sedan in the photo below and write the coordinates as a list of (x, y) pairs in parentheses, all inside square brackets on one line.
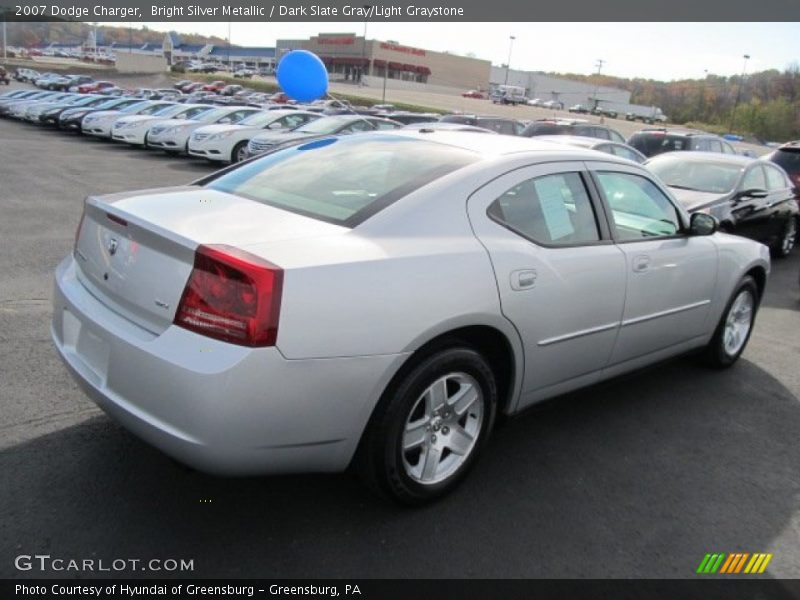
[(379, 299)]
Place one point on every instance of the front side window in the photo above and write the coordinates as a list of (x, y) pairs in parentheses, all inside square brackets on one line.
[(550, 210), (639, 209)]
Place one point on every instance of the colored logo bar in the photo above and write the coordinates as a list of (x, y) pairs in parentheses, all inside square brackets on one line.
[(734, 563)]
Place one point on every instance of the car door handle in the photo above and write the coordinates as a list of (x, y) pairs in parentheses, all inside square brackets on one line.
[(641, 263), (523, 279)]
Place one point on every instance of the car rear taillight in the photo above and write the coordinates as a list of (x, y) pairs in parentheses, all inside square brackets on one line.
[(232, 296)]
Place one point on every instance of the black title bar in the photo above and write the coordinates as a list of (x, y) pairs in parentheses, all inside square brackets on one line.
[(405, 11)]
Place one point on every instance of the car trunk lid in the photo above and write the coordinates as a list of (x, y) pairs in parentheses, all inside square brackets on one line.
[(135, 251)]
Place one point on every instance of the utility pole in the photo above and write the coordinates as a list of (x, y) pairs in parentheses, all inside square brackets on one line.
[(5, 46), (362, 68), (511, 39), (599, 65), (738, 92)]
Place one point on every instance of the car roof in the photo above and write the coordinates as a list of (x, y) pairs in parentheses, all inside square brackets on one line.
[(794, 145), (718, 157), (576, 140), (675, 131), (499, 145)]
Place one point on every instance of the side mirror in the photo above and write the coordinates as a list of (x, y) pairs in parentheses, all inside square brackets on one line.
[(703, 224), (752, 193), (274, 125)]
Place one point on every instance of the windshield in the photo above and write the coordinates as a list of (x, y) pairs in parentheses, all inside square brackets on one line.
[(788, 159), (258, 119), (651, 144), (134, 108), (113, 103), (701, 176), (212, 115), (324, 125), (169, 110), (343, 180), (546, 129)]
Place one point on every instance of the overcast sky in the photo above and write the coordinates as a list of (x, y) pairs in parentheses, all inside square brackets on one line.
[(655, 50)]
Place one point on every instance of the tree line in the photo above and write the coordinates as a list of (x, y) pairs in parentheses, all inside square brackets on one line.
[(763, 105)]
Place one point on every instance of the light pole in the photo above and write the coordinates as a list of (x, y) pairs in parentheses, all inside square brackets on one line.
[(739, 91), (5, 51), (511, 39), (229, 47), (599, 64), (362, 68)]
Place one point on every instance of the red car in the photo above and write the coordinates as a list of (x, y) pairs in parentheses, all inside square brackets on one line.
[(473, 94), (94, 86), (191, 87), (214, 86), (279, 98)]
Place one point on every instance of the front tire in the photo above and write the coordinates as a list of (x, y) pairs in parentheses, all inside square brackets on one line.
[(735, 326), (239, 152), (784, 246), (430, 426)]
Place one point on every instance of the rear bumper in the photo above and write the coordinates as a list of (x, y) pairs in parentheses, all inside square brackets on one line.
[(218, 407)]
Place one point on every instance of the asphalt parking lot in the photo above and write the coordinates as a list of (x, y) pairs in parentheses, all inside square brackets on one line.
[(639, 477)]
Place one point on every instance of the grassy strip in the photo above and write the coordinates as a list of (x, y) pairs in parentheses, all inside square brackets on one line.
[(270, 88)]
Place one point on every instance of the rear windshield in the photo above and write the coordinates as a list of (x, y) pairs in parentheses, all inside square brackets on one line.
[(651, 144), (464, 120), (788, 159), (343, 180)]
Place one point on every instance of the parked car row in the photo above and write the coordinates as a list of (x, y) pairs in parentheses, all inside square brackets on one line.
[(754, 198)]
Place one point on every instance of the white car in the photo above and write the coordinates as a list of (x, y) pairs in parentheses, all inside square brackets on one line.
[(173, 135), (99, 124), (228, 143), (135, 129)]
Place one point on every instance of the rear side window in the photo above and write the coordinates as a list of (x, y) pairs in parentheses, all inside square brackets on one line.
[(550, 210), (639, 209), (343, 180)]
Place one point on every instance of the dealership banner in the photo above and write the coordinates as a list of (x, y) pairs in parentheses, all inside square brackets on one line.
[(408, 11), (387, 589)]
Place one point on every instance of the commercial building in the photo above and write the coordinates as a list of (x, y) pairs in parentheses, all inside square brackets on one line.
[(350, 57), (566, 91)]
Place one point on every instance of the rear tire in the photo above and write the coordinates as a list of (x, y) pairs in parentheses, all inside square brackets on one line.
[(735, 326), (430, 426)]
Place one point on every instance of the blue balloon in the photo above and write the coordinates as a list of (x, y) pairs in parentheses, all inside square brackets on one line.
[(303, 76)]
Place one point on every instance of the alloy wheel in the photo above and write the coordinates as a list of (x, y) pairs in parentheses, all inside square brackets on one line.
[(442, 428), (738, 322)]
